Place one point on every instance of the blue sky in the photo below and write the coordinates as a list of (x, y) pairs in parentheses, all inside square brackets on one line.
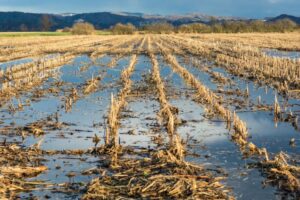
[(242, 8)]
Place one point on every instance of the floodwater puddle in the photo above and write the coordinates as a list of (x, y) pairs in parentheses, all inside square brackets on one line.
[(78, 128), (208, 141), (209, 144), (282, 54)]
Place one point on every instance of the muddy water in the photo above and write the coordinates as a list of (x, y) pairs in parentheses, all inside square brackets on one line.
[(263, 130), (208, 141), (141, 111), (215, 146), (94, 106), (83, 122), (282, 54), (209, 144), (65, 173), (135, 130), (5, 65)]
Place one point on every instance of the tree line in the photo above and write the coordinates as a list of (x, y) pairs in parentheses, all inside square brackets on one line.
[(282, 25)]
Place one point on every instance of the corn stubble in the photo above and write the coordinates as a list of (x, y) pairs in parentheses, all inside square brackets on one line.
[(247, 61), (289, 174), (16, 164), (162, 173)]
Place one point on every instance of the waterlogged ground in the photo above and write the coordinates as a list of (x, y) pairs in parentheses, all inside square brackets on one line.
[(208, 141)]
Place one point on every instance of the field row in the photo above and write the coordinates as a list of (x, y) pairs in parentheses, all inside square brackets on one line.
[(149, 111)]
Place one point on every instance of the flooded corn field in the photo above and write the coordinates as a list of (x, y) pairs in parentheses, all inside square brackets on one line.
[(177, 116)]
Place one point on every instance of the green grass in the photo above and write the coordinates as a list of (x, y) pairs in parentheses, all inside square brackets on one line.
[(22, 34), (25, 34)]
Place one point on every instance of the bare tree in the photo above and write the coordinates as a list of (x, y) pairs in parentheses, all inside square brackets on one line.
[(163, 27), (46, 23)]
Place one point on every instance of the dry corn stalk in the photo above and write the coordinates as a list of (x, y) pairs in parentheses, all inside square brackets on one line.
[(16, 165), (240, 134), (160, 176), (117, 104), (72, 98), (277, 110), (246, 61), (176, 146), (139, 179)]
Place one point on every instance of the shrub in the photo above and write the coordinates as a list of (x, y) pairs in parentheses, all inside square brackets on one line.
[(284, 25), (194, 28), (159, 28), (83, 28), (67, 30), (123, 29)]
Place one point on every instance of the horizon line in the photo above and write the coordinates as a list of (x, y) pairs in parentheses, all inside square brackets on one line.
[(152, 14)]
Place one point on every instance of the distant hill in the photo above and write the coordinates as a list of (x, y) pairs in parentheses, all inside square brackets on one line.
[(12, 21), (15, 21), (284, 16)]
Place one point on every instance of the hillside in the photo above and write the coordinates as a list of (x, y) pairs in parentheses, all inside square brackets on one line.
[(284, 16), (13, 21)]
